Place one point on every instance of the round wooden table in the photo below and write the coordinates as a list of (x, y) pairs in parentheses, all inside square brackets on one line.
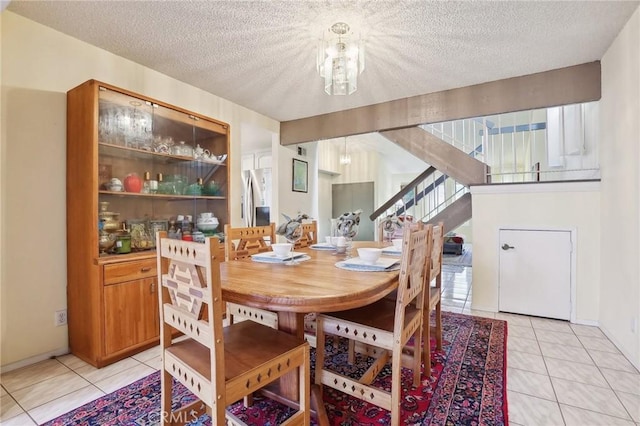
[(314, 285)]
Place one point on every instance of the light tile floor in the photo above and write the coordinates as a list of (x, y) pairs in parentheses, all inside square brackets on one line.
[(558, 373)]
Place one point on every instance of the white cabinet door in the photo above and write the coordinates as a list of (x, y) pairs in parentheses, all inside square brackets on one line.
[(535, 273)]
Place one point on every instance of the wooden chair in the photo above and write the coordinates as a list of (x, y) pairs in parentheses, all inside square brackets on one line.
[(309, 234), (218, 365), (239, 244), (386, 324), (434, 296), (243, 242)]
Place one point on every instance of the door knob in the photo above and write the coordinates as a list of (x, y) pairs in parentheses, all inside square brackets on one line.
[(506, 246)]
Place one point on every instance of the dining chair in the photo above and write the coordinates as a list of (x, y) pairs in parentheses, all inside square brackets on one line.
[(309, 234), (219, 365), (242, 242), (433, 299), (387, 325)]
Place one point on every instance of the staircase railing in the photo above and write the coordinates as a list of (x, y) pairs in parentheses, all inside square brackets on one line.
[(424, 197), (402, 193), (546, 144)]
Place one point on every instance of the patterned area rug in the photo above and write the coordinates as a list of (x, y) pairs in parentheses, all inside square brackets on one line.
[(467, 387)]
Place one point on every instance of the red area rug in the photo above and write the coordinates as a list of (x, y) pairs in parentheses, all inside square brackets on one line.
[(467, 387)]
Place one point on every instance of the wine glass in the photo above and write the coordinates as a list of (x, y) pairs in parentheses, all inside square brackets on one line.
[(293, 235), (348, 229)]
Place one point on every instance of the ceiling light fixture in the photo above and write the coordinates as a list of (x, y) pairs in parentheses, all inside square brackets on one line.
[(345, 158), (340, 60)]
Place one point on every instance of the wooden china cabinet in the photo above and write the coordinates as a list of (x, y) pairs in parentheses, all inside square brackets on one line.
[(143, 163)]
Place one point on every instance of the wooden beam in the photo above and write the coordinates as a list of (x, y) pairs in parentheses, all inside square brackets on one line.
[(575, 84), (448, 159)]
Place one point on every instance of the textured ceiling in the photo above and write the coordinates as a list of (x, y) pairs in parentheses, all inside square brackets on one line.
[(261, 54)]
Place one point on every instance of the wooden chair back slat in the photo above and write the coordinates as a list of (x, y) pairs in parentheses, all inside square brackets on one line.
[(309, 234), (244, 242)]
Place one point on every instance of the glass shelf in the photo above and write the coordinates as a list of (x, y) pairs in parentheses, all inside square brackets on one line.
[(162, 196), (119, 151)]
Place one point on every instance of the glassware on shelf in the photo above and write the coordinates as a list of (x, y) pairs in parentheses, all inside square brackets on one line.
[(150, 186), (108, 219), (106, 240)]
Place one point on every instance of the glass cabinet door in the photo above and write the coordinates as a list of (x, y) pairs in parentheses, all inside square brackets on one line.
[(158, 169)]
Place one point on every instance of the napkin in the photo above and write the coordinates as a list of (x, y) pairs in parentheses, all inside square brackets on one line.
[(270, 256), (322, 246), (356, 263), (391, 250)]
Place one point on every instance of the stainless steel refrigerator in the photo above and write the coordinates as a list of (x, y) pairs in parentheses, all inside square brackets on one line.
[(256, 197)]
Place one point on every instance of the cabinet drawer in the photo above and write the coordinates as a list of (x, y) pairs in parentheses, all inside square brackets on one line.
[(127, 271)]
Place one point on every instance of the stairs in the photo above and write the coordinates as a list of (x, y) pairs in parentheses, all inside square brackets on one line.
[(455, 214), (447, 163)]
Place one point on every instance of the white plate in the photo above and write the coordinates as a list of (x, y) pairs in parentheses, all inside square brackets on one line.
[(392, 251), (357, 264), (322, 246), (274, 258)]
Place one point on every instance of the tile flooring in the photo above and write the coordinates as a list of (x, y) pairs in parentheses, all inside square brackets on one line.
[(558, 373)]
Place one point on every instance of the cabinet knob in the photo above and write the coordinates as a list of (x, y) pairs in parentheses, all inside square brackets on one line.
[(146, 269)]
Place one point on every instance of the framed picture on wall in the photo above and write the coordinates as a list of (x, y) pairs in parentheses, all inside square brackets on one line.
[(300, 180)]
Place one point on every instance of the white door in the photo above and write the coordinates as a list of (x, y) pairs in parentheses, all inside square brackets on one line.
[(535, 273)]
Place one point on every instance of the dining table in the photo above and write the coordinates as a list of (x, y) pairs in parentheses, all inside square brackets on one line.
[(313, 285)]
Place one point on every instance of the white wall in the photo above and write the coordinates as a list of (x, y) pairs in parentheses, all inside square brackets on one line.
[(620, 159), (39, 65), (568, 205), (289, 202)]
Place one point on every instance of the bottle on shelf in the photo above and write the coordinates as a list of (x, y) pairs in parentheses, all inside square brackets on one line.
[(146, 186), (159, 184), (150, 186)]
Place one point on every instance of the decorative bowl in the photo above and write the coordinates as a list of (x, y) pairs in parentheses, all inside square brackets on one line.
[(207, 227), (207, 224), (369, 255), (281, 249)]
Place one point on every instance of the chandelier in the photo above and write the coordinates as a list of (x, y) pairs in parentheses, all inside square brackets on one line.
[(340, 60)]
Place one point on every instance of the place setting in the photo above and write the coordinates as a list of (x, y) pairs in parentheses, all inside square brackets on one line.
[(370, 259), (329, 244), (281, 253), (395, 249)]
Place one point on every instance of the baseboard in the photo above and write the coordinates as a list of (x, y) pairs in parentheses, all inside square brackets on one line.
[(586, 322), (484, 308), (33, 360), (616, 343)]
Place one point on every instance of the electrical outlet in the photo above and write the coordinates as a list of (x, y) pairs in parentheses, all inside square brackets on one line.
[(60, 317)]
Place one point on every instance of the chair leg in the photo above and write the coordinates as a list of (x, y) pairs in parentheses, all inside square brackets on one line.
[(320, 348), (351, 356), (417, 357), (396, 386), (248, 400), (439, 326), (426, 342), (165, 404)]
